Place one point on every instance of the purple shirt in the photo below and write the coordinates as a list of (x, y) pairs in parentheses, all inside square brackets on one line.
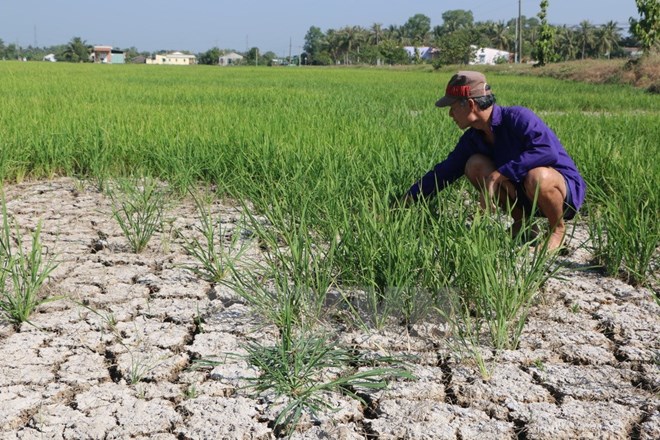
[(522, 142)]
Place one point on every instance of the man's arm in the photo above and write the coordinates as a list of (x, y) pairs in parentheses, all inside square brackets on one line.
[(442, 174)]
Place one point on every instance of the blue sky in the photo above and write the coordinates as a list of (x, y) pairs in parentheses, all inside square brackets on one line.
[(198, 25)]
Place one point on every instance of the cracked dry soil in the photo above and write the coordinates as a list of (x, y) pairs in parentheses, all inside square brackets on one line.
[(113, 359)]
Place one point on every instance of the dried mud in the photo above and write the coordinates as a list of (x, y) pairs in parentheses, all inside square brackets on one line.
[(112, 359)]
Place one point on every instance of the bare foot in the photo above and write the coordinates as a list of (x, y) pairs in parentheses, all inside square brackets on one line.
[(556, 238)]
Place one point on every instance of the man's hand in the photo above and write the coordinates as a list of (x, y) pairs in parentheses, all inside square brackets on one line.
[(496, 189)]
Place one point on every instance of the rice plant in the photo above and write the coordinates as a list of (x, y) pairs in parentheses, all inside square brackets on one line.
[(500, 279), (138, 208), (213, 256), (297, 374), (299, 269), (23, 272), (623, 221), (322, 170)]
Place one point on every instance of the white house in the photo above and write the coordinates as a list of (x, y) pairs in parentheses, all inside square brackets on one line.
[(50, 57), (173, 59), (230, 58), (487, 55), (425, 52)]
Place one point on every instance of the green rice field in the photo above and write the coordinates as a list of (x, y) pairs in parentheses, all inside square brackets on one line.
[(324, 154)]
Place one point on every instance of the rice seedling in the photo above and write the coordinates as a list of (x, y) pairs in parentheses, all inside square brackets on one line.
[(23, 272), (138, 209), (210, 252), (299, 269), (500, 279), (191, 392), (625, 231), (299, 372)]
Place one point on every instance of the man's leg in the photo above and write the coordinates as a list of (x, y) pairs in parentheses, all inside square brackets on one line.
[(477, 170), (550, 200)]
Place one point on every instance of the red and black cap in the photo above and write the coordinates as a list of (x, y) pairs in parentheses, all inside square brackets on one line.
[(465, 84)]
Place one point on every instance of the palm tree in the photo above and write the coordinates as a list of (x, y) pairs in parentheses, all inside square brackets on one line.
[(375, 34), (394, 32), (333, 42), (608, 38), (566, 43), (77, 51), (351, 37), (501, 36), (586, 36)]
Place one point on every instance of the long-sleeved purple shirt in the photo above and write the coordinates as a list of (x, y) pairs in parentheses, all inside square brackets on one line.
[(522, 142)]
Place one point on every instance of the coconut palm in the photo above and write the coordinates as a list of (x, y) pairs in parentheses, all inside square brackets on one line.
[(333, 44), (607, 38), (586, 37), (566, 43), (375, 34), (501, 36), (77, 51)]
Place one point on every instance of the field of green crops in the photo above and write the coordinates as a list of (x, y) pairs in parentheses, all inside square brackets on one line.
[(323, 153)]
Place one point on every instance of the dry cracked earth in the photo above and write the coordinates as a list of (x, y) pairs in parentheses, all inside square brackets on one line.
[(112, 358)]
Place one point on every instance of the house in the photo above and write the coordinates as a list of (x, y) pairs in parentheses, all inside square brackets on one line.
[(423, 52), (229, 59), (487, 55), (633, 52), (107, 55), (173, 59), (50, 57)]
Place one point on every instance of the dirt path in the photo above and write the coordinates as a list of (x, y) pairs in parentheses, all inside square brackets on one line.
[(113, 361)]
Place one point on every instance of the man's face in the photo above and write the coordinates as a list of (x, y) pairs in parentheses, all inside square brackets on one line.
[(460, 112)]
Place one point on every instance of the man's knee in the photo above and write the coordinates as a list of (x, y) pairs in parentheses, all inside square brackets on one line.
[(543, 179), (478, 167)]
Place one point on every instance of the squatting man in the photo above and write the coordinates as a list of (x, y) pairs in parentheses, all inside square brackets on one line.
[(510, 155)]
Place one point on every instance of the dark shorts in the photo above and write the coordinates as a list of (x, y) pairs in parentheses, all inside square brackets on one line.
[(527, 205)]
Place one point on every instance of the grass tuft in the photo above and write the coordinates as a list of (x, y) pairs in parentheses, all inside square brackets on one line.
[(22, 272)]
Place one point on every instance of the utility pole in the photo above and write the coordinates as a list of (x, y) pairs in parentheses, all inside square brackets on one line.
[(289, 50), (519, 33)]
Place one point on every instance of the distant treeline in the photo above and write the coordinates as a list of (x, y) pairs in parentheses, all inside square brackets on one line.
[(456, 37)]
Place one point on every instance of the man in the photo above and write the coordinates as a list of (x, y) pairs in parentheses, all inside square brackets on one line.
[(509, 155)]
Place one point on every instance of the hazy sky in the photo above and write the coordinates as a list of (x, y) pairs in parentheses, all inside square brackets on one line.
[(198, 25)]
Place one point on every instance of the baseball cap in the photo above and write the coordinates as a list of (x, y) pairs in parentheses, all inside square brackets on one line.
[(465, 84)]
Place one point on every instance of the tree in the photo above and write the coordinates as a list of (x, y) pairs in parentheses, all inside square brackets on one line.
[(375, 34), (545, 45), (252, 56), (333, 45), (607, 38), (314, 41), (455, 48), (11, 52), (567, 43), (351, 37), (76, 51), (586, 36), (647, 28), (131, 52), (394, 33), (456, 19), (393, 53), (417, 28), (210, 57), (501, 36)]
